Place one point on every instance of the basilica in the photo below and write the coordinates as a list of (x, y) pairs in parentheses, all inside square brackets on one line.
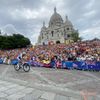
[(58, 31)]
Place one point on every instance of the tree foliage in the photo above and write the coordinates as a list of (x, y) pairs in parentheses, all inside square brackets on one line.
[(75, 36), (15, 41)]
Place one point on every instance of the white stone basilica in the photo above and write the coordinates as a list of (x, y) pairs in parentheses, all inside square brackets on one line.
[(58, 31)]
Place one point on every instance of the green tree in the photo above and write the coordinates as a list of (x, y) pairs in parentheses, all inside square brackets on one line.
[(75, 36), (15, 41)]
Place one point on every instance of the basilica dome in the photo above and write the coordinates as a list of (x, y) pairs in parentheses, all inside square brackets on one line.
[(67, 22), (56, 19)]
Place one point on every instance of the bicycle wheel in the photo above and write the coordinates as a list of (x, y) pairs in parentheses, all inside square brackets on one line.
[(26, 67), (17, 67)]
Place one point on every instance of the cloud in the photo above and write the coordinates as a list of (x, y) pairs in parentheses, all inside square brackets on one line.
[(90, 13), (27, 16), (9, 29), (91, 33)]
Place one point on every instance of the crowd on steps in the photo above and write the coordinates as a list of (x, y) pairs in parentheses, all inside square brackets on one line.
[(58, 53)]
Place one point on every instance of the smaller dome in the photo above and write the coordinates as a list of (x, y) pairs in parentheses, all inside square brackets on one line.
[(43, 27), (67, 22)]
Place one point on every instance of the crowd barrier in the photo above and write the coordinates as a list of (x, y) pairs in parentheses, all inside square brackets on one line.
[(84, 65), (1, 61), (14, 61), (79, 65)]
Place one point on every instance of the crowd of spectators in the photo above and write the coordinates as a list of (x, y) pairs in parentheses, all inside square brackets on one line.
[(80, 51)]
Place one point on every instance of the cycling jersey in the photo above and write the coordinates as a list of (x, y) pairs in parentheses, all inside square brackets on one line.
[(19, 57)]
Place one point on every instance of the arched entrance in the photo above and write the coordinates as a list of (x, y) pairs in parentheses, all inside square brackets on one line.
[(58, 42), (43, 43)]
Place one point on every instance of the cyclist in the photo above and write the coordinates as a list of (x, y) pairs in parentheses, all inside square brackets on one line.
[(21, 57)]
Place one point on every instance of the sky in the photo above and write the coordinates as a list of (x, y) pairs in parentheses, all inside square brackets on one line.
[(27, 16)]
